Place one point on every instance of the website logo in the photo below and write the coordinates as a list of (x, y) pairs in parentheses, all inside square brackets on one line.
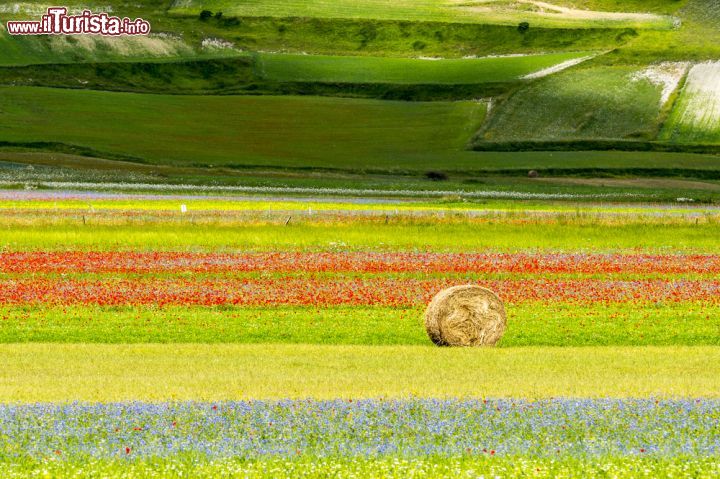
[(57, 22)]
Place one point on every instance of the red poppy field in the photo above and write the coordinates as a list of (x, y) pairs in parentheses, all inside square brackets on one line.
[(359, 279)]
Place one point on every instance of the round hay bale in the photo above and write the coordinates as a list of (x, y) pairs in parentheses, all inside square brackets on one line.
[(466, 315)]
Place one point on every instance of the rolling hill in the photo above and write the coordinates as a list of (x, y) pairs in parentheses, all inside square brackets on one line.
[(477, 91)]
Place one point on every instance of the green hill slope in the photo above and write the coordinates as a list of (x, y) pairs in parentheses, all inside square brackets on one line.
[(520, 88)]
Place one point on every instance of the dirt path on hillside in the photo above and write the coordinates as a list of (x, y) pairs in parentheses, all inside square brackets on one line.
[(554, 10), (549, 10)]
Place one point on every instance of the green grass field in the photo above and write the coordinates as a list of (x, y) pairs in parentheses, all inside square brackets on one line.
[(562, 234), (314, 68), (243, 131), (217, 210), (530, 324), (656, 6), (434, 468), (497, 12)]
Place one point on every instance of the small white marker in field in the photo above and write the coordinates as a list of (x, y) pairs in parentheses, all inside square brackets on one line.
[(183, 209), (309, 211)]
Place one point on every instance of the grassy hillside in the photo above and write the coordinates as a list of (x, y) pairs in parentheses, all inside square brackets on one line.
[(494, 12), (697, 38), (29, 50), (391, 38)]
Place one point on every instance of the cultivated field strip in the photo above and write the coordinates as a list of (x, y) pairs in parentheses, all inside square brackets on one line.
[(176, 130), (357, 262), (321, 292), (204, 372), (567, 232), (361, 69), (697, 115), (351, 297), (461, 467), (531, 323), (667, 76), (420, 427)]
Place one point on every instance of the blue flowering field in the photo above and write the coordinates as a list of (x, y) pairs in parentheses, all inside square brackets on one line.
[(390, 438)]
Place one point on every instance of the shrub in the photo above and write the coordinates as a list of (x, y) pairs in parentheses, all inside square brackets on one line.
[(419, 45), (436, 176)]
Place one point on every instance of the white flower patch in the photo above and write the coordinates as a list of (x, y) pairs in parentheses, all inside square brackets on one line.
[(520, 195), (182, 4), (509, 55), (666, 75), (217, 44)]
